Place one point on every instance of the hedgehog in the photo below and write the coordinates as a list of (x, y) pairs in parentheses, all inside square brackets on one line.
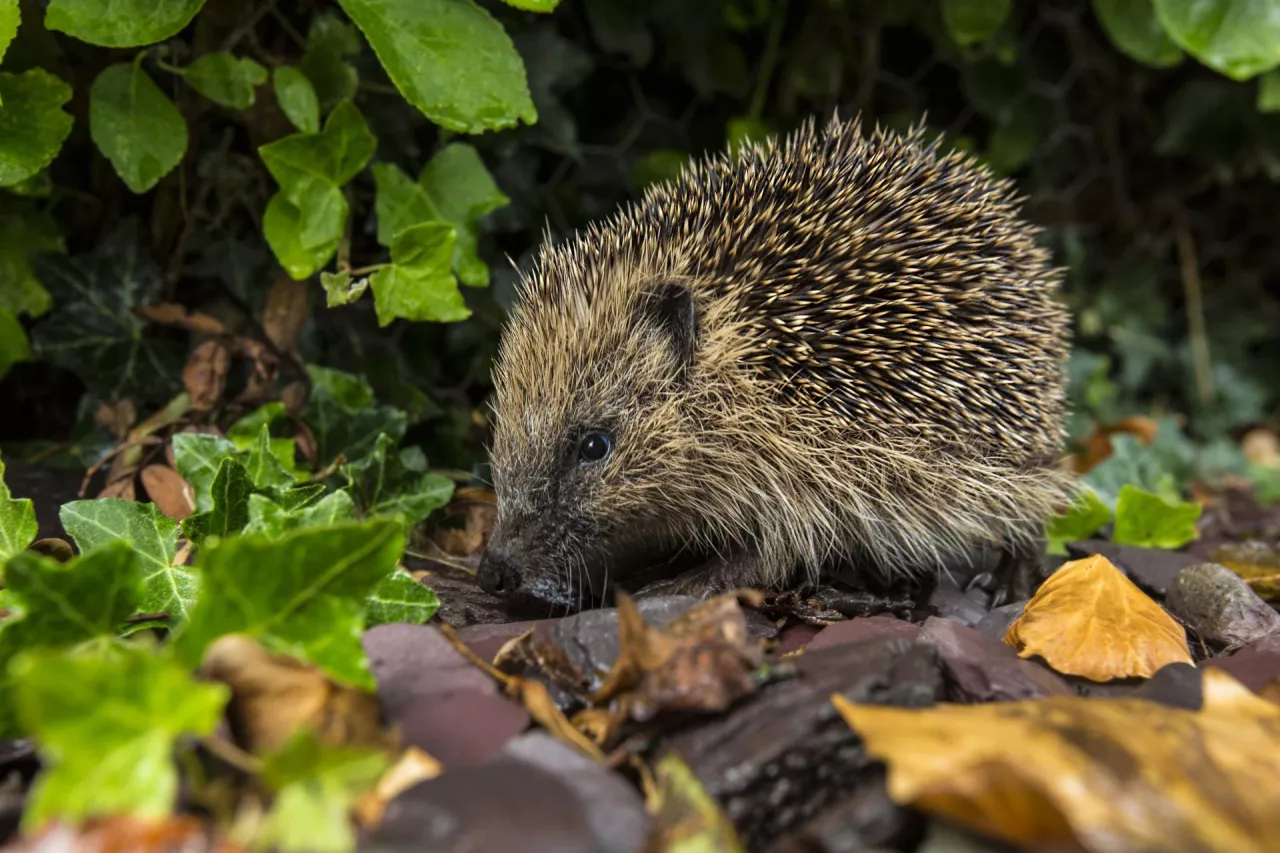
[(839, 353)]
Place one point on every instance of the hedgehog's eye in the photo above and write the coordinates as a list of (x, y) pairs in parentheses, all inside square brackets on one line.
[(594, 446)]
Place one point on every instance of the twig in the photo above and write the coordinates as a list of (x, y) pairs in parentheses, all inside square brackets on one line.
[(189, 220), (1195, 313), (244, 29)]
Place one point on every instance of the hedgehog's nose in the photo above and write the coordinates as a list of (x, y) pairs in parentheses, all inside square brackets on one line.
[(497, 575)]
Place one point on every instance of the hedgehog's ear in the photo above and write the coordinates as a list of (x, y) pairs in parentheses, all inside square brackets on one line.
[(669, 306)]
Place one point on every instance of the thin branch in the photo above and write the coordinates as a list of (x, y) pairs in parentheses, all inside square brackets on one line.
[(1190, 269)]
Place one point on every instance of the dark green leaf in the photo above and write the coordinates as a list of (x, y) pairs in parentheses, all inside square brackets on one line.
[(230, 513), (152, 535), (1238, 38), (25, 232), (401, 202), (301, 595), (14, 346), (297, 98), (1269, 92), (120, 23), (657, 167), (450, 59), (1085, 517), (33, 124), (93, 330), (744, 129), (275, 518), (1133, 27), (340, 289), (973, 21), (107, 721), (342, 415), (226, 79), (18, 526), (263, 466), (283, 225), (316, 786), (198, 458), (300, 497), (418, 284), (384, 484), (1151, 521), (462, 190), (138, 129), (400, 598), (329, 40)]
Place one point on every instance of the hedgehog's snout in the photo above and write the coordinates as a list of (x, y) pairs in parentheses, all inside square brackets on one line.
[(498, 574)]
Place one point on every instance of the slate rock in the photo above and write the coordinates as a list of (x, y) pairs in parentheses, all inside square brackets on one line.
[(868, 819), (862, 628), (782, 756), (982, 669), (1255, 666), (463, 603), (411, 661), (952, 602), (461, 726), (795, 637), (996, 623), (1177, 685), (1218, 605), (498, 807), (1152, 569), (613, 807), (487, 638)]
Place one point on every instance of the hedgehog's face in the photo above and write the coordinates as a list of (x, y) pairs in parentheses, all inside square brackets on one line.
[(588, 432)]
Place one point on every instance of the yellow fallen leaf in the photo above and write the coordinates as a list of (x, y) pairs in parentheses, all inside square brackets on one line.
[(1088, 619), (1108, 775), (413, 766), (686, 819)]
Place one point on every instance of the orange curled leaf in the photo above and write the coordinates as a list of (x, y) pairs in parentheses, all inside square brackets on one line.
[(1088, 619)]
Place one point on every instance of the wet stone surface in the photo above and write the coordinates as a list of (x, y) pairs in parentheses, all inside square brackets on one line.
[(1219, 606)]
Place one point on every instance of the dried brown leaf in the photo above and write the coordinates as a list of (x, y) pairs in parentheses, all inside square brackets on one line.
[(54, 548), (205, 374), (116, 418), (272, 697), (122, 488), (1097, 447), (1088, 619), (285, 312), (413, 766), (171, 314), (1108, 775), (476, 508), (168, 491)]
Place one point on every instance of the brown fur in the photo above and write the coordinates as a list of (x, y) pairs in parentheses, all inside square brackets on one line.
[(876, 378)]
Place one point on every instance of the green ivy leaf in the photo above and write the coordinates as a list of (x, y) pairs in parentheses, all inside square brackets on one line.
[(658, 166), (305, 220), (534, 5), (24, 232), (744, 129), (18, 525), (449, 58), (264, 467), (1133, 27), (226, 79), (94, 331), (329, 41), (230, 512), (418, 284), (198, 458), (151, 534), (245, 434), (462, 191), (401, 202), (1237, 38), (135, 126), (14, 346), (974, 21), (33, 124), (120, 23), (107, 722), (1084, 518), (1269, 92), (316, 785), (400, 598), (388, 482), (297, 98), (272, 519), (342, 415), (10, 17), (341, 289), (1151, 521), (313, 606)]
